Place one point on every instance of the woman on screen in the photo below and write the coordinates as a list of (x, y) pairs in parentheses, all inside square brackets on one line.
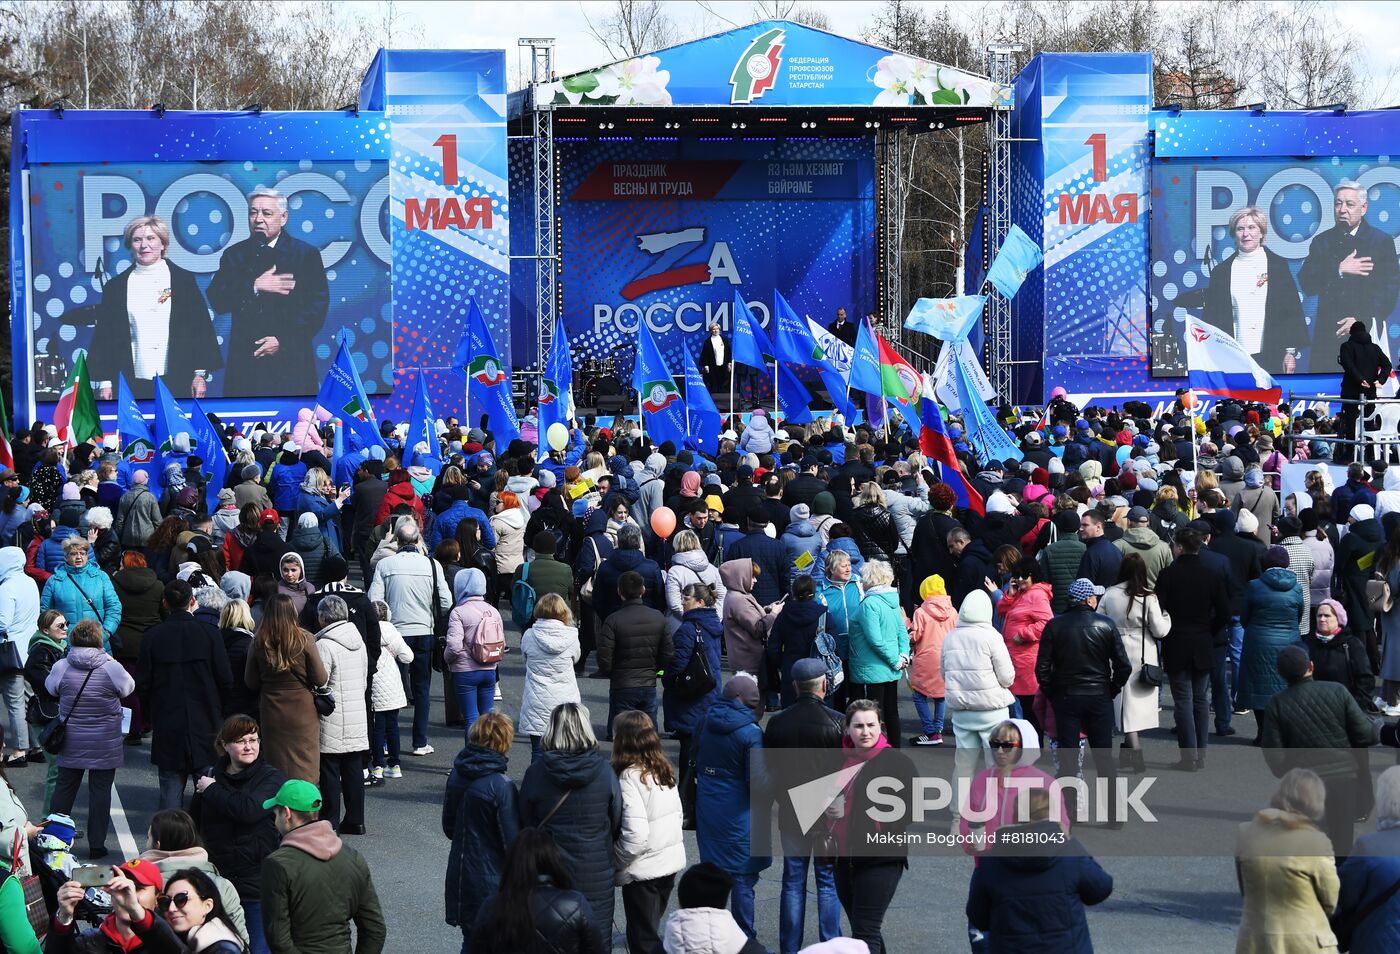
[(1253, 296), (153, 319)]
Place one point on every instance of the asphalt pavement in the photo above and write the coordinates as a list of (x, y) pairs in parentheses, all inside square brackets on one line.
[(1160, 902)]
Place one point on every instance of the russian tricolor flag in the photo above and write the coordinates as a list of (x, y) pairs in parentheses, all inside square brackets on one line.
[(1218, 365), (935, 444)]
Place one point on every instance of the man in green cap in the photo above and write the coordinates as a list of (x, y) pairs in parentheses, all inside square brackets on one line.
[(314, 884)]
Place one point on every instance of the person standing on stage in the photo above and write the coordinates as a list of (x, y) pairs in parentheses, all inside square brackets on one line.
[(275, 288), (1351, 268), (714, 362), (843, 330)]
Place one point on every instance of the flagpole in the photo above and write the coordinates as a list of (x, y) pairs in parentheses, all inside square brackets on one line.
[(775, 391), (733, 369)]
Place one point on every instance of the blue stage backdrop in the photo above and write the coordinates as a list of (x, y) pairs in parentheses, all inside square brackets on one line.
[(439, 215), (665, 232), (1080, 189), (1292, 168), (450, 204)]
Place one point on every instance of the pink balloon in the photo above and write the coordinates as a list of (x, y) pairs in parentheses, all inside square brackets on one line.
[(663, 521)]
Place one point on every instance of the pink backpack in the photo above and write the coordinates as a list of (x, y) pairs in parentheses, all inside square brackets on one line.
[(487, 642)]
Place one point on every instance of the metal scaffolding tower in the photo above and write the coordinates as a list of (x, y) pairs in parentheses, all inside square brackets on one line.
[(546, 247), (889, 155), (1001, 69)]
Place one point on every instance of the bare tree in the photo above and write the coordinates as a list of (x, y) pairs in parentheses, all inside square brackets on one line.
[(634, 27), (804, 13)]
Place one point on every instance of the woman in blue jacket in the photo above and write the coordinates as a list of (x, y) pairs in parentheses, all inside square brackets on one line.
[(722, 769), (878, 645), (1273, 609), (481, 814), (79, 590), (700, 626), (319, 496)]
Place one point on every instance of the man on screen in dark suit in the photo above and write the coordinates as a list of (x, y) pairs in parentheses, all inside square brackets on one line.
[(1352, 270), (843, 330), (274, 286)]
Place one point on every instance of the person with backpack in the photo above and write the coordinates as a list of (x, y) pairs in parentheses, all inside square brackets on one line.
[(688, 694), (538, 578), (802, 619), (475, 643)]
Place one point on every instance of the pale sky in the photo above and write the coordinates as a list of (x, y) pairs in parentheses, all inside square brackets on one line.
[(490, 24)]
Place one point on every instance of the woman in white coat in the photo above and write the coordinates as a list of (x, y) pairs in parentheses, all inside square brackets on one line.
[(550, 647), (689, 565), (1141, 622), (977, 673), (345, 732), (508, 523), (386, 698), (650, 850)]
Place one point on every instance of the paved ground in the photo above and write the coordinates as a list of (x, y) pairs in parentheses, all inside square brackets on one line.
[(1160, 903)]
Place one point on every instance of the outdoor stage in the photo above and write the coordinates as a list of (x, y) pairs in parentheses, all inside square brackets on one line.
[(760, 161)]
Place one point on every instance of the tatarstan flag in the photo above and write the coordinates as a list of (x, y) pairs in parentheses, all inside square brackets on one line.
[(76, 415)]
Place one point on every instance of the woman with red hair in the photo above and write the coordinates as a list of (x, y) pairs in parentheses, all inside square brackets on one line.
[(509, 524)]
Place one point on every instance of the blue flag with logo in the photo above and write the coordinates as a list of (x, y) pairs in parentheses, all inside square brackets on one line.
[(701, 415), (210, 450), (865, 362), (170, 420), (1015, 259), (751, 344), (343, 396), (422, 429), (796, 343), (660, 400), (947, 319), (488, 382), (984, 434), (557, 390), (138, 446), (794, 400)]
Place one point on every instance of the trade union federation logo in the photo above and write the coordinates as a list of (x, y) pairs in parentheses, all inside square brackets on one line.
[(550, 393), (1200, 335), (757, 69), (355, 409), (487, 370), (659, 395)]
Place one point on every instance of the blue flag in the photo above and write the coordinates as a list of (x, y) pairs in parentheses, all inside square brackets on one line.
[(138, 446), (488, 383), (751, 344), (984, 434), (1015, 259), (796, 343), (343, 395), (556, 398), (701, 415), (947, 319), (211, 452), (660, 400), (170, 420), (794, 399), (422, 427), (865, 362)]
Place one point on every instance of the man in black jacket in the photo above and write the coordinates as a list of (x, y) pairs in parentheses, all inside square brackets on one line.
[(634, 645), (182, 676), (805, 486), (1241, 552), (972, 564), (769, 553), (1195, 595), (274, 287), (1365, 367), (807, 724), (1081, 666)]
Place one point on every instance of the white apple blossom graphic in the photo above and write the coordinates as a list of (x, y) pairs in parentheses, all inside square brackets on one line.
[(633, 82), (894, 75), (908, 80)]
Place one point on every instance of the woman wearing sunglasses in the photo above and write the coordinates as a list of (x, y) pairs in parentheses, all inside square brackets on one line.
[(192, 907)]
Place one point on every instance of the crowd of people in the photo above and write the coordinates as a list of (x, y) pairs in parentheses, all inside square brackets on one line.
[(813, 588)]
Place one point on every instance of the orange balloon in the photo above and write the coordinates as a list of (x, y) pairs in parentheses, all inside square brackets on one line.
[(1188, 400), (663, 521)]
